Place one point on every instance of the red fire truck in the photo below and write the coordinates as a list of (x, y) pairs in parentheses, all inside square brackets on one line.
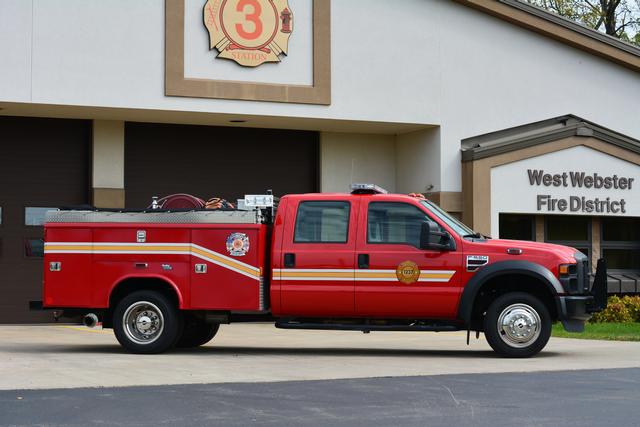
[(364, 261)]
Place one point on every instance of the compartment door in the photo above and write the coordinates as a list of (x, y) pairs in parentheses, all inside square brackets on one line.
[(67, 267), (225, 269)]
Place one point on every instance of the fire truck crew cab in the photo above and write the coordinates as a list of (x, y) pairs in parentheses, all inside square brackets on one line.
[(367, 261)]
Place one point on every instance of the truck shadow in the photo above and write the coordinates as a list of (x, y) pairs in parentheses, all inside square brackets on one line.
[(341, 352), (212, 351)]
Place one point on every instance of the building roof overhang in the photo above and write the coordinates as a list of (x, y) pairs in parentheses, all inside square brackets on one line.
[(545, 131), (558, 28)]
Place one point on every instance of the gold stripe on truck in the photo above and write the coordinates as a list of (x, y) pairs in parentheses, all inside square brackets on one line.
[(155, 248)]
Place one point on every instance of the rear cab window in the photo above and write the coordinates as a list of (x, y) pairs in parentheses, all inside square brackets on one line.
[(322, 222)]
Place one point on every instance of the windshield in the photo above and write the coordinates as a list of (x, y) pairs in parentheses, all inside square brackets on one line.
[(456, 225)]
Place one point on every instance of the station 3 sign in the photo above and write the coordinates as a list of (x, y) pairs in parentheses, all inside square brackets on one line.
[(249, 32)]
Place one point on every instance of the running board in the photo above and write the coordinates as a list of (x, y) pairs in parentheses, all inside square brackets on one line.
[(366, 327)]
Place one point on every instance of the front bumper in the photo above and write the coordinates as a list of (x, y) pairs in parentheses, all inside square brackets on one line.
[(575, 310)]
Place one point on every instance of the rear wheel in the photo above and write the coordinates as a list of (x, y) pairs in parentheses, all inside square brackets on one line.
[(147, 322), (196, 332), (517, 325)]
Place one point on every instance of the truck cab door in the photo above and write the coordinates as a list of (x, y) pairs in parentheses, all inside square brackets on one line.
[(398, 278), (316, 273)]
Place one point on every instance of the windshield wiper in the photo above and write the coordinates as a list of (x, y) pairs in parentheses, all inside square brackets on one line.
[(475, 236)]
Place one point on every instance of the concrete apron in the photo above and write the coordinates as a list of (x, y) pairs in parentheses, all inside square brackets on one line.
[(36, 357)]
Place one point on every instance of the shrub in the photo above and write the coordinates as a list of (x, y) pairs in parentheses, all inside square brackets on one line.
[(633, 305), (617, 311)]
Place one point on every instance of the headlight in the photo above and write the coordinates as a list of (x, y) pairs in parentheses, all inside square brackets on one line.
[(567, 269), (569, 278)]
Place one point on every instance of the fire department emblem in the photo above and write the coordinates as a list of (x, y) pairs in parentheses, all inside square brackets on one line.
[(408, 272), (250, 32), (237, 244)]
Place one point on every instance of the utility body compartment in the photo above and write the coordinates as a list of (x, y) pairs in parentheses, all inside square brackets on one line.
[(211, 265)]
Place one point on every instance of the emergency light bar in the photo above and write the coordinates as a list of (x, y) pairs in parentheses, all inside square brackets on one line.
[(361, 188)]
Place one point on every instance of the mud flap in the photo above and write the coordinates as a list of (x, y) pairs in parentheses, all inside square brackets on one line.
[(599, 288), (573, 325)]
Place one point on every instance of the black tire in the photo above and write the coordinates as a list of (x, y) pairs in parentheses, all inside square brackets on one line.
[(196, 332), (147, 322), (518, 312)]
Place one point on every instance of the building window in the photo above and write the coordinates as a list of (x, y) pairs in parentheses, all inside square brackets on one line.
[(35, 216), (620, 244), (322, 222), (517, 227), (397, 223), (34, 248), (574, 231)]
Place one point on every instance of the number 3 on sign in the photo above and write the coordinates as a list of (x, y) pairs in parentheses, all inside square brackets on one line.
[(253, 17)]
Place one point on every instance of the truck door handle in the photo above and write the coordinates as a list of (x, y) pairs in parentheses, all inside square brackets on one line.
[(289, 260), (363, 260)]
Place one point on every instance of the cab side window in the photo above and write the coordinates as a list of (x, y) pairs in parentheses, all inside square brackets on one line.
[(395, 223), (322, 222)]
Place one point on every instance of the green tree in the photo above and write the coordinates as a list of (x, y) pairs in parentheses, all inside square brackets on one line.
[(617, 18)]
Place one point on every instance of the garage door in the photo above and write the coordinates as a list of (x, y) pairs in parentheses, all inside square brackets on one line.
[(212, 161), (44, 163)]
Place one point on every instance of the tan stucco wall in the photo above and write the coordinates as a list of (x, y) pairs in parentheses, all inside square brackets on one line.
[(108, 163), (399, 163), (349, 157), (417, 157)]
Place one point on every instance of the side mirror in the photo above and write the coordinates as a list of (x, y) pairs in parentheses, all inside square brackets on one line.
[(433, 237)]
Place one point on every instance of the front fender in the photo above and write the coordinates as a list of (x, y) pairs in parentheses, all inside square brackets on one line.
[(498, 269)]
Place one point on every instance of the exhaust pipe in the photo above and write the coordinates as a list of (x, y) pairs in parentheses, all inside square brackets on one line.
[(90, 320)]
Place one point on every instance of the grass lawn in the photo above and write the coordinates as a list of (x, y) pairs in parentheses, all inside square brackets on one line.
[(602, 331)]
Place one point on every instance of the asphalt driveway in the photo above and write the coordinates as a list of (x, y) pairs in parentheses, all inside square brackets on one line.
[(563, 398)]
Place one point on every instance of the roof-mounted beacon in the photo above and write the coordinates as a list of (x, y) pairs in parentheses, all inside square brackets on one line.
[(363, 188)]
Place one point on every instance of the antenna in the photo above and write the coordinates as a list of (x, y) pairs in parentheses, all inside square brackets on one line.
[(353, 166)]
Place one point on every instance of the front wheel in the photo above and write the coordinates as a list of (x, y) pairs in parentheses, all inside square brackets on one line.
[(147, 322), (517, 325)]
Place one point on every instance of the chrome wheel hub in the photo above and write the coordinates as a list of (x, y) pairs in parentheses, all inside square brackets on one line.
[(519, 325), (143, 322)]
